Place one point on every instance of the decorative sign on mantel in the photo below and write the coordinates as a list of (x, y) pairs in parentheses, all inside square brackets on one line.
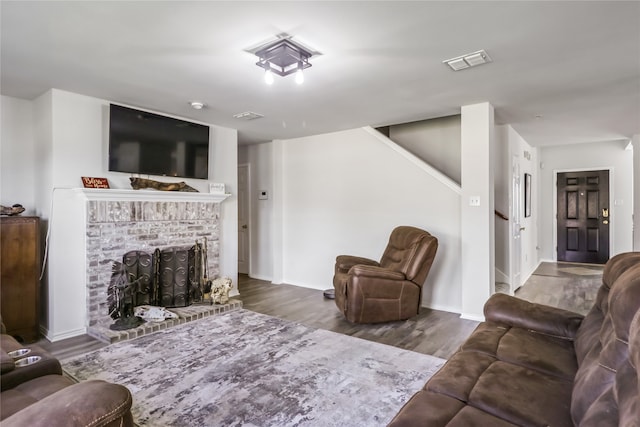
[(91, 182)]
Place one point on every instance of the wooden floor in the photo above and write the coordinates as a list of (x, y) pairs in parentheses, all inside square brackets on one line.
[(434, 332)]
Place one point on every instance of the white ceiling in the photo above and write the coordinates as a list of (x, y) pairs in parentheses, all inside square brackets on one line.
[(575, 64)]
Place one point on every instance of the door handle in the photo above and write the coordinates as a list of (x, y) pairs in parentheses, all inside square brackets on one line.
[(244, 226), (522, 228)]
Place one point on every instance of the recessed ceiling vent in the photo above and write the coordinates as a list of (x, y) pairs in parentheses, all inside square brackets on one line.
[(467, 61), (248, 115)]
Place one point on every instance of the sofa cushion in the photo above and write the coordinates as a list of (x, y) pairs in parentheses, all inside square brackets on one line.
[(550, 355), (92, 403), (619, 404), (598, 371), (427, 408), (503, 392), (26, 394), (589, 333)]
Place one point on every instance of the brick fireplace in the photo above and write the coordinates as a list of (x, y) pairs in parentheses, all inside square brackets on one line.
[(116, 227), (114, 222)]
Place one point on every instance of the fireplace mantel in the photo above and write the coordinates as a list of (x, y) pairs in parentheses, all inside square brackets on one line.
[(148, 195)]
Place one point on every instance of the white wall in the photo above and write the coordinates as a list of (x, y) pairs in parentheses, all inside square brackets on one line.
[(70, 134), (17, 147), (436, 141), (343, 193), (589, 156)]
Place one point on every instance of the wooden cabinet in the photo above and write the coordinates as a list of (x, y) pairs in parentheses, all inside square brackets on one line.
[(20, 276)]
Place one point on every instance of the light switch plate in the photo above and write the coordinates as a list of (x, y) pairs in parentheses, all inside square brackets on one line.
[(263, 195), (474, 201)]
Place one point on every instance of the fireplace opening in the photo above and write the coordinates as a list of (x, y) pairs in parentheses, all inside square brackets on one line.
[(169, 277)]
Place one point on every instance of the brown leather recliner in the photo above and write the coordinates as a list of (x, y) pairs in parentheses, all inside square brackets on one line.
[(39, 395), (367, 291)]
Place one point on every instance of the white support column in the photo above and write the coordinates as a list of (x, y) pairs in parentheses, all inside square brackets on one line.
[(636, 192), (477, 209), (278, 208)]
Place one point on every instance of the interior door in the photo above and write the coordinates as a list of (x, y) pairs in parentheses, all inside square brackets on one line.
[(516, 224), (583, 216), (243, 219)]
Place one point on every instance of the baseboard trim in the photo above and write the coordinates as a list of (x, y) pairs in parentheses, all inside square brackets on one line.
[(447, 308), (472, 317), (62, 335), (260, 277)]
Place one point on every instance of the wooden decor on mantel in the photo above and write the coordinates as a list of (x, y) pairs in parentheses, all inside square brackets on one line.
[(140, 183)]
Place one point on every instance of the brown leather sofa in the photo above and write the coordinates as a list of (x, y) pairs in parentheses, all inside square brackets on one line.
[(368, 291), (535, 365), (39, 395)]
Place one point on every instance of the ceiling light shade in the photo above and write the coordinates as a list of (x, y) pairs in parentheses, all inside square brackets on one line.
[(299, 76), (283, 57), (467, 61), (197, 105), (268, 77)]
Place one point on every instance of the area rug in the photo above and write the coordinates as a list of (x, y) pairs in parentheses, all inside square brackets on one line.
[(247, 369)]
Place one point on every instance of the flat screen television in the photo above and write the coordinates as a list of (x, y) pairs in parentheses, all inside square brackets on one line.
[(150, 144)]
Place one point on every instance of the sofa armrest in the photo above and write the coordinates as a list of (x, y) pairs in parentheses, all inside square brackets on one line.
[(377, 272), (92, 403), (544, 319), (345, 262), (7, 363)]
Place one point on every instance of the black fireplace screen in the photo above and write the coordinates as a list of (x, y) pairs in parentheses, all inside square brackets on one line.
[(172, 277)]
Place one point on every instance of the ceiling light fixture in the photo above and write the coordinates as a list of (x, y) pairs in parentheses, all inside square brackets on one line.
[(469, 60), (197, 105), (283, 57)]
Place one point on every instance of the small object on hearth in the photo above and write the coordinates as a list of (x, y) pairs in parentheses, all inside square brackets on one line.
[(220, 288), (11, 211), (140, 183), (152, 313)]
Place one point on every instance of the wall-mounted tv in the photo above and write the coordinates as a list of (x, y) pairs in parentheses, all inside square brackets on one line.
[(150, 144)]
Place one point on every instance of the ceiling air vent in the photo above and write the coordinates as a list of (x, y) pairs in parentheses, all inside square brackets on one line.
[(248, 115), (469, 60)]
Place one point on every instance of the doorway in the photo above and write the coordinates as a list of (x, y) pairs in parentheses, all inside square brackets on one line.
[(583, 218), (243, 219)]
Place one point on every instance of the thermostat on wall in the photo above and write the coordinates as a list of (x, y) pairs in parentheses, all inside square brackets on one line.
[(263, 195)]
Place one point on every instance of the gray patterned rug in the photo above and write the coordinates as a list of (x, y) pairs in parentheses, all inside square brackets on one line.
[(246, 369)]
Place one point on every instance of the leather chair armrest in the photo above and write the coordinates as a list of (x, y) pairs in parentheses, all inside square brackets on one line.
[(377, 272), (544, 319), (345, 262), (89, 403)]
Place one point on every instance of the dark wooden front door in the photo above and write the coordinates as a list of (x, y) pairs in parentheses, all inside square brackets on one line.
[(583, 216)]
